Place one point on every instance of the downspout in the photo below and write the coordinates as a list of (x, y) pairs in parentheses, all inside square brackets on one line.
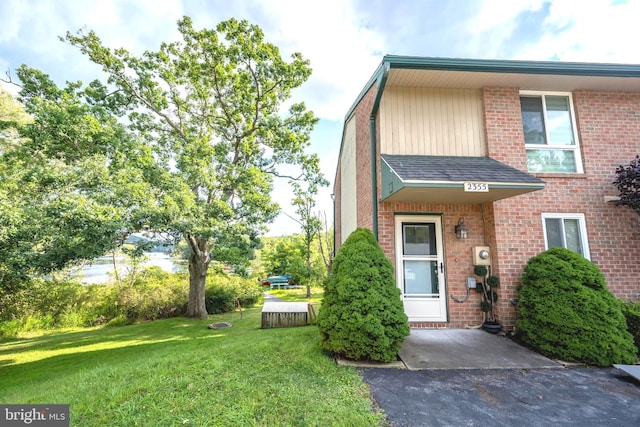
[(382, 81)]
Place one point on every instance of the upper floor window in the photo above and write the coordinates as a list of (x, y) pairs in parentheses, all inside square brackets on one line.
[(566, 231), (550, 135)]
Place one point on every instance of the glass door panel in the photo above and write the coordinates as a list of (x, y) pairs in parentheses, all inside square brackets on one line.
[(421, 279)]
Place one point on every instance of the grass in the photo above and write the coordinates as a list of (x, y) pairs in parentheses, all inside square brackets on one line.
[(177, 372), (299, 294)]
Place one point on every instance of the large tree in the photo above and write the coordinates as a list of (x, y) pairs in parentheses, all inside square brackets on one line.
[(210, 108)]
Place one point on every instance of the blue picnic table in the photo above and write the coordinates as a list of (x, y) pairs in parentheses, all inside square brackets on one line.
[(278, 282)]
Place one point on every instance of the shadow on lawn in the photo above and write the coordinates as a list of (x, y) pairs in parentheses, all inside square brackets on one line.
[(111, 344), (176, 327), (62, 340)]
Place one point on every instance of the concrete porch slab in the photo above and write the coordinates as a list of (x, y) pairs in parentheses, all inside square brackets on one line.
[(633, 370), (467, 349)]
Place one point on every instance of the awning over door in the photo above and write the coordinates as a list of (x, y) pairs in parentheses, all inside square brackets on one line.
[(452, 179)]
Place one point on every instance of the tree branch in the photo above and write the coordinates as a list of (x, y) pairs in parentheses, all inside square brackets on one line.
[(193, 244)]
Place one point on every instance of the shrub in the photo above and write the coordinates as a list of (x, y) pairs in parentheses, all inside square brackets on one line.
[(9, 329), (154, 295), (120, 320), (38, 297), (566, 311), (151, 294), (223, 293), (41, 305), (631, 311), (361, 316)]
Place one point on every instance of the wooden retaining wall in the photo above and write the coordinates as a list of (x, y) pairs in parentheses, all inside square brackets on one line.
[(285, 314)]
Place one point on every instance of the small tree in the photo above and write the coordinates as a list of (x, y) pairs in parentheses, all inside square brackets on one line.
[(304, 201), (566, 311), (362, 316), (628, 184), (487, 287), (326, 243), (286, 258)]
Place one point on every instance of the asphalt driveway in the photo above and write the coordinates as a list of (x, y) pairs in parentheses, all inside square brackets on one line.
[(506, 397), (443, 380)]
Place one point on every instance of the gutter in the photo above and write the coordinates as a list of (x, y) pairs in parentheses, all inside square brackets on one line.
[(514, 66), (381, 82)]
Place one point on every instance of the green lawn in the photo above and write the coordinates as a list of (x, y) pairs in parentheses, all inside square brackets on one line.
[(177, 372), (300, 294)]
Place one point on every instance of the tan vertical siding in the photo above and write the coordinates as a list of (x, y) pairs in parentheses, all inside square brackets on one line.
[(432, 121), (348, 210)]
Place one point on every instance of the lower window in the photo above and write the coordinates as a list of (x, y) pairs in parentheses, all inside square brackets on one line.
[(566, 231)]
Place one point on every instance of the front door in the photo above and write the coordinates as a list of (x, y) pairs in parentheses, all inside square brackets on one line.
[(420, 267)]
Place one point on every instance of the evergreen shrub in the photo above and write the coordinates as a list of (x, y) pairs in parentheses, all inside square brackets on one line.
[(362, 316), (631, 311), (565, 311)]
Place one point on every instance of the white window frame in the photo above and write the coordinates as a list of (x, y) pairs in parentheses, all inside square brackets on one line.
[(575, 148), (582, 227)]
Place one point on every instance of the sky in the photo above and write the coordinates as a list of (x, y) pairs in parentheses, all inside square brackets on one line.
[(344, 40)]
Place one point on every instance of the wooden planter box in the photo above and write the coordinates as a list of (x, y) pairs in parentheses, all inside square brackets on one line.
[(284, 314)]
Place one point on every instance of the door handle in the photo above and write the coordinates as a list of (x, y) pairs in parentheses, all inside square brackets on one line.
[(441, 268)]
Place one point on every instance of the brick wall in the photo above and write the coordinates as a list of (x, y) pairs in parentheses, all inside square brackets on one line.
[(458, 253), (363, 158), (609, 134)]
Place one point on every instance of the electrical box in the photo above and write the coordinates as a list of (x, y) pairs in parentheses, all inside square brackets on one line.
[(471, 283), (481, 255)]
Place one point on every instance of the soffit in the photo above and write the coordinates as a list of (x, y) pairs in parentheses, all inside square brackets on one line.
[(541, 82)]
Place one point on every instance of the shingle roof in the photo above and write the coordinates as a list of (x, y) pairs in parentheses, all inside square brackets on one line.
[(456, 169)]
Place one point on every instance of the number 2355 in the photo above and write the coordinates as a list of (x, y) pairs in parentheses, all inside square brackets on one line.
[(476, 186)]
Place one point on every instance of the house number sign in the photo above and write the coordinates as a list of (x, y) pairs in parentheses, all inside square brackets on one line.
[(476, 187)]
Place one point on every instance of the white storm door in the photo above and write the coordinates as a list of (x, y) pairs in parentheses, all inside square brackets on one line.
[(420, 267)]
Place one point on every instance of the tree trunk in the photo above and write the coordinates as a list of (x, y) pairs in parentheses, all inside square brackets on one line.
[(309, 268), (198, 265)]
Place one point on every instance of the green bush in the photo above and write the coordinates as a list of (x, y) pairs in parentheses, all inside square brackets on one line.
[(39, 297), (40, 305), (361, 316), (223, 293), (566, 311), (120, 320), (9, 329), (631, 311), (154, 295)]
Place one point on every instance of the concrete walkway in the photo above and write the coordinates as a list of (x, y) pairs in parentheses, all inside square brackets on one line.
[(271, 298), (467, 349)]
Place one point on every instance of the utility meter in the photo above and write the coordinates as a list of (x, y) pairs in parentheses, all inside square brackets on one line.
[(481, 255)]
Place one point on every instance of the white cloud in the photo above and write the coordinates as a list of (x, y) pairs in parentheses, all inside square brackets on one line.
[(499, 15), (594, 32), (13, 14), (342, 52)]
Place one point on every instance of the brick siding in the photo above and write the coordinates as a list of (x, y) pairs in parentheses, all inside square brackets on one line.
[(363, 159), (609, 135)]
